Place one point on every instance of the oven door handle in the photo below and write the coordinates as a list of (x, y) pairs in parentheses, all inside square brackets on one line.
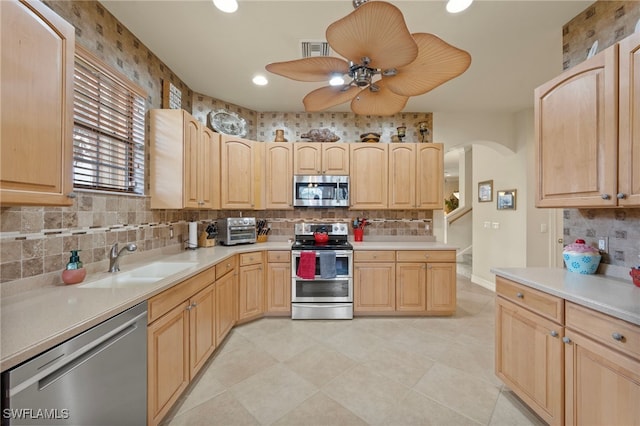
[(342, 253)]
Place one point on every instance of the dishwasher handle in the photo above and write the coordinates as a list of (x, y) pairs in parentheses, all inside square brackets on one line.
[(67, 363)]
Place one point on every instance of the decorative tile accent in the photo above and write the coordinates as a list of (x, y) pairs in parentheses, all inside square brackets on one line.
[(605, 21)]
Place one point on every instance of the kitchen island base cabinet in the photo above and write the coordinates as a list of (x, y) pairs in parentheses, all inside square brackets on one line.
[(529, 358)]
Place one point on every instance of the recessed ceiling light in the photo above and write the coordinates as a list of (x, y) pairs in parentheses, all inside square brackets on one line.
[(455, 6), (228, 6), (260, 80)]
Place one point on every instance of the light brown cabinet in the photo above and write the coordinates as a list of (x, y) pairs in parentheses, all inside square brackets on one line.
[(588, 117), (180, 338), (374, 282), (602, 368), (426, 281), (416, 173), (183, 162), (629, 116), (278, 283), (368, 176), (570, 364), (278, 179), (241, 173), (529, 348), (405, 282), (315, 158), (37, 84), (251, 286), (226, 297)]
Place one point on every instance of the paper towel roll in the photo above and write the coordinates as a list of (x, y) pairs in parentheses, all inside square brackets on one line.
[(193, 235)]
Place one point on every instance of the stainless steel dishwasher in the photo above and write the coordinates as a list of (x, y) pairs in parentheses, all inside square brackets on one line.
[(96, 378)]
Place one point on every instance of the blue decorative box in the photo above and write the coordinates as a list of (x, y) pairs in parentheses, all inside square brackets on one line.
[(582, 263)]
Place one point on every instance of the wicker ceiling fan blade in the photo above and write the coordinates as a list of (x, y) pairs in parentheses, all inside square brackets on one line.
[(383, 102), (437, 63), (328, 96), (317, 68), (376, 30)]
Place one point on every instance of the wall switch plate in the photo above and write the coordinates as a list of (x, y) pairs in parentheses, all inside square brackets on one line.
[(603, 244), (496, 225)]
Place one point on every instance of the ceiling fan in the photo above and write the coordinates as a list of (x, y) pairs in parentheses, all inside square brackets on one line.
[(386, 63)]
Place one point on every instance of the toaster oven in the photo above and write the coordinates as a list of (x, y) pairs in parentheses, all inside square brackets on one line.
[(236, 230)]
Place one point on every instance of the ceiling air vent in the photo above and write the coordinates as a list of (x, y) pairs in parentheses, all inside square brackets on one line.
[(314, 48)]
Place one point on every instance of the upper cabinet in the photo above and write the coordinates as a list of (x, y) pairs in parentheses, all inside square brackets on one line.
[(36, 143), (416, 173), (278, 181), (368, 178), (241, 167), (586, 124), (315, 158), (629, 136), (184, 161)]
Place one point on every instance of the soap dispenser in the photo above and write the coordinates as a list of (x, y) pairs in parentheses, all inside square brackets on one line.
[(74, 273)]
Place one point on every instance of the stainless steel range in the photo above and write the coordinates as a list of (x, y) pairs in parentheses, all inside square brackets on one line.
[(321, 272)]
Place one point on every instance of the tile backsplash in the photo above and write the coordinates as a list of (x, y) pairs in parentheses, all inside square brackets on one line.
[(621, 226)]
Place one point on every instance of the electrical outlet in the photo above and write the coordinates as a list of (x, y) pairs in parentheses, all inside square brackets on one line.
[(603, 244)]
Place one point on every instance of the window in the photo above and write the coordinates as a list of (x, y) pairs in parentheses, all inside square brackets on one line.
[(108, 129)]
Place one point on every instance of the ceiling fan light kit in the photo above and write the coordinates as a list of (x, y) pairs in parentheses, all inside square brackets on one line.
[(385, 62), (227, 6)]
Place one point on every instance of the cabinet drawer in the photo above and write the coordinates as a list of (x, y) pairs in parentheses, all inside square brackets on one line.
[(225, 266), (539, 302), (612, 332), (426, 255), (250, 258), (162, 303), (278, 256), (374, 255)]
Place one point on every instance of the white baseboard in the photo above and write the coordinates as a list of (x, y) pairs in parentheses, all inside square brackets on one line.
[(489, 285)]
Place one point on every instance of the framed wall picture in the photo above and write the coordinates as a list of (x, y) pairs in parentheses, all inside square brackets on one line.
[(485, 191), (506, 199)]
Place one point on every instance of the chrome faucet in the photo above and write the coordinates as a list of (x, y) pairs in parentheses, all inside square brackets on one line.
[(114, 256)]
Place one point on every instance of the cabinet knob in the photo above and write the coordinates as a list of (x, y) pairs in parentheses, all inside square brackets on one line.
[(606, 196), (519, 295), (424, 266), (426, 256), (617, 336), (189, 307), (554, 333), (621, 196), (565, 339)]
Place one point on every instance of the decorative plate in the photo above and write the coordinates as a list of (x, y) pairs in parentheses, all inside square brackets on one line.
[(227, 122)]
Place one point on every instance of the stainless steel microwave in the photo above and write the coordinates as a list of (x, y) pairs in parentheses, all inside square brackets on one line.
[(320, 191)]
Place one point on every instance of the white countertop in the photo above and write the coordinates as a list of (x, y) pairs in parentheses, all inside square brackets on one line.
[(611, 296), (34, 321)]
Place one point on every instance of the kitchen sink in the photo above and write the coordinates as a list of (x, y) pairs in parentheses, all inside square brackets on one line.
[(147, 274)]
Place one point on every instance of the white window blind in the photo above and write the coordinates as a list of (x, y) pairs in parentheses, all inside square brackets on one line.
[(108, 131)]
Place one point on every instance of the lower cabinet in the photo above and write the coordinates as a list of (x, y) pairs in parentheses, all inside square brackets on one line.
[(278, 283), (251, 287), (374, 287), (426, 282), (180, 338), (602, 369), (413, 282), (226, 303), (570, 364), (529, 358)]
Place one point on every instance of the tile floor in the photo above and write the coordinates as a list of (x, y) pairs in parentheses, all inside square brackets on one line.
[(377, 371)]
